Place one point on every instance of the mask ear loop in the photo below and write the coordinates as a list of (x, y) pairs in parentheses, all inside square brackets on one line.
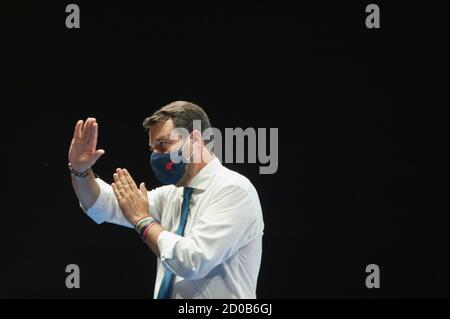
[(180, 151)]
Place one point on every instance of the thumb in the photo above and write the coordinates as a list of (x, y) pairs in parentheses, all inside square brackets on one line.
[(98, 154), (143, 188)]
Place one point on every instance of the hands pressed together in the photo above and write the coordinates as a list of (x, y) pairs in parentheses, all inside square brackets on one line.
[(133, 201)]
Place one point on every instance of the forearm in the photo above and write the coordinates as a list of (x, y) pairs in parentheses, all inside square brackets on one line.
[(86, 189), (151, 237)]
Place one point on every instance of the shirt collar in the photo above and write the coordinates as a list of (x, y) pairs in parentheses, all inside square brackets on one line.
[(203, 177)]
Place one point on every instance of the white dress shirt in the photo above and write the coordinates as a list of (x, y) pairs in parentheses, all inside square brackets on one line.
[(220, 253)]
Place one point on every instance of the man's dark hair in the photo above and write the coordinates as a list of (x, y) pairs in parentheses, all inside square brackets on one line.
[(182, 114)]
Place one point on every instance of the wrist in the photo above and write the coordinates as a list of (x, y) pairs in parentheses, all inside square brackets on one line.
[(142, 222), (145, 231), (77, 172)]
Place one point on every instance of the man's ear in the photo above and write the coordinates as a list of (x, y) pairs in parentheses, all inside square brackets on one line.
[(196, 146), (196, 136)]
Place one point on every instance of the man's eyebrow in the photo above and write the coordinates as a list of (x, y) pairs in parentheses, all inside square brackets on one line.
[(167, 137)]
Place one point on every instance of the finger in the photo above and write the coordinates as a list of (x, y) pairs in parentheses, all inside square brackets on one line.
[(88, 128), (91, 128), (86, 123), (119, 185), (116, 179), (116, 191), (129, 180), (85, 129), (77, 131), (143, 189), (98, 154), (92, 138), (122, 178)]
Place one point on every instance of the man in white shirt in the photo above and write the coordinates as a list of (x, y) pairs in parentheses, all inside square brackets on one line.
[(205, 226)]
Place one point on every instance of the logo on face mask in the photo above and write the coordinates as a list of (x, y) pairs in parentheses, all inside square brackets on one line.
[(169, 166), (166, 170)]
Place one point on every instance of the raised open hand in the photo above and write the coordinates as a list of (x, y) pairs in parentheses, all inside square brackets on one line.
[(83, 153)]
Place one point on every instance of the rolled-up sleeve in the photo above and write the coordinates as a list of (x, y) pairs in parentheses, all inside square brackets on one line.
[(220, 232), (106, 208)]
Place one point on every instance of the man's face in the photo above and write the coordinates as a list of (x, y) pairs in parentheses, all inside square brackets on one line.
[(159, 138), (160, 142)]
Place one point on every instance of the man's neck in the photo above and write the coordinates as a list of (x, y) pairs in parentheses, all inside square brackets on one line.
[(197, 167), (206, 158)]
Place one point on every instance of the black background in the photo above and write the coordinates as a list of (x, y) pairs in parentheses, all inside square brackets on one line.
[(363, 138)]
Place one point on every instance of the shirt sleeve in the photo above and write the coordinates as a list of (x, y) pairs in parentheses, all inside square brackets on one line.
[(106, 207), (226, 226)]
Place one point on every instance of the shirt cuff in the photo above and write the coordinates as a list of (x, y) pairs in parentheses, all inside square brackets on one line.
[(166, 243)]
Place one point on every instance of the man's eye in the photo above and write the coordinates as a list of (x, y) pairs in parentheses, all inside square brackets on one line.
[(162, 146)]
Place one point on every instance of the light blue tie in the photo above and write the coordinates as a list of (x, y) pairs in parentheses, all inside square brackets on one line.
[(165, 290)]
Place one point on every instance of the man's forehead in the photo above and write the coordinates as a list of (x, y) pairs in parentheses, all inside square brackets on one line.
[(161, 130)]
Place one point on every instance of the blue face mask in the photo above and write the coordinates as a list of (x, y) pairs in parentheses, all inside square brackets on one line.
[(165, 169)]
